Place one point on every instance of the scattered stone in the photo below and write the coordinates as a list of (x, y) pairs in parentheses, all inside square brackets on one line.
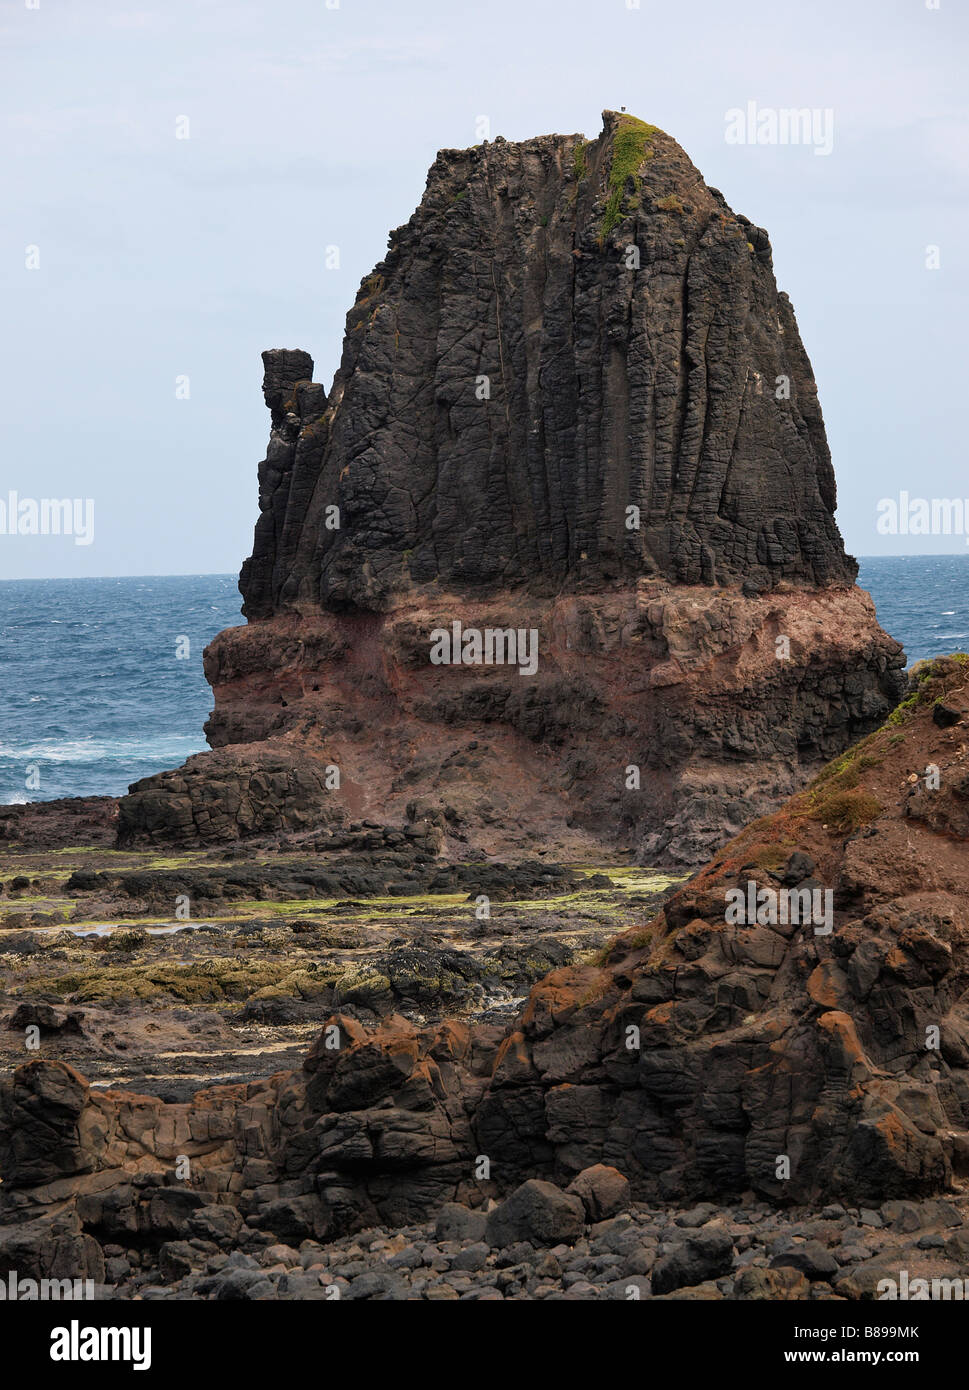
[(810, 1259)]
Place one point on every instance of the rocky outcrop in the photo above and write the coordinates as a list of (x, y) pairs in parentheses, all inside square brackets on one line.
[(572, 408), (813, 1052), (563, 331), (133, 1168), (263, 791), (810, 1056), (659, 720), (39, 825)]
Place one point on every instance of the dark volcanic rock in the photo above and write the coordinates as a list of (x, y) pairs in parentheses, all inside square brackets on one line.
[(709, 1057), (46, 1018), (671, 379), (218, 797), (571, 403), (41, 1134), (538, 1212), (602, 1190), (705, 1255)]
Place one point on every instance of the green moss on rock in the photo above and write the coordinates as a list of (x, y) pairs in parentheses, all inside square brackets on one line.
[(631, 147)]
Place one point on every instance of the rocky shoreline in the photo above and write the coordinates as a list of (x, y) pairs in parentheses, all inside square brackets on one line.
[(641, 971), (161, 971), (773, 1066), (709, 1253)]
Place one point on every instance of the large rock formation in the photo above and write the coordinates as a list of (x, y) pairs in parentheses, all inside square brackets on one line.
[(637, 352), (811, 1059), (572, 402)]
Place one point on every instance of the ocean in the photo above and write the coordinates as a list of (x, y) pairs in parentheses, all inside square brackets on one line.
[(921, 600), (96, 694)]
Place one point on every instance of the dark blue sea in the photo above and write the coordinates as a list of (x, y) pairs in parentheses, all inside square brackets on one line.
[(921, 600), (94, 695)]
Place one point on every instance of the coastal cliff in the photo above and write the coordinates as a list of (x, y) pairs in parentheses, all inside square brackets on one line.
[(572, 406)]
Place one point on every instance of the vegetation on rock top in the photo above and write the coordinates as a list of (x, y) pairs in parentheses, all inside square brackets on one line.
[(631, 147)]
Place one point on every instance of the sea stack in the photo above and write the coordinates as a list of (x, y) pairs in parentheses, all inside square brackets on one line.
[(551, 571), (572, 403)]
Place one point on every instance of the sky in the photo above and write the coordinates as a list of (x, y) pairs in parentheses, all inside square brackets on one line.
[(174, 172)]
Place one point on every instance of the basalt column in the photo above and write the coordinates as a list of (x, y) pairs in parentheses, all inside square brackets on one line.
[(571, 400)]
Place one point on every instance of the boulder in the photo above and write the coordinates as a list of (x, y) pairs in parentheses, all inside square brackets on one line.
[(603, 1191), (538, 1212), (699, 1258)]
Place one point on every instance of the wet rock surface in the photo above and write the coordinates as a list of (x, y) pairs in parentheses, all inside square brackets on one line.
[(161, 972), (770, 1063)]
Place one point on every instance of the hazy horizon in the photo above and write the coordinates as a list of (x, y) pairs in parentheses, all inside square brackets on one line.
[(233, 574)]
